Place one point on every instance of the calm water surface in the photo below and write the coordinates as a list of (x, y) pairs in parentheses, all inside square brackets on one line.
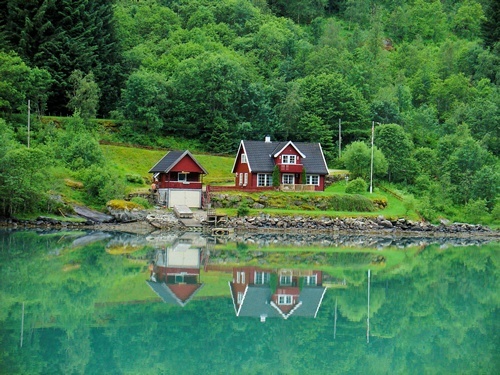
[(169, 303)]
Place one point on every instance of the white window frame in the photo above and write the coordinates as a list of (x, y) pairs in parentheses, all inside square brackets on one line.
[(310, 179), (288, 176), (263, 279), (311, 280), (245, 182), (240, 298), (285, 299), (244, 159), (286, 280), (288, 159), (179, 179), (264, 179), (241, 179)]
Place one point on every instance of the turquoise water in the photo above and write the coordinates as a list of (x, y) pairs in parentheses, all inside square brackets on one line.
[(78, 303)]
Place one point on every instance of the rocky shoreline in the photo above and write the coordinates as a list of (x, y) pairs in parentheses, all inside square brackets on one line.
[(143, 222)]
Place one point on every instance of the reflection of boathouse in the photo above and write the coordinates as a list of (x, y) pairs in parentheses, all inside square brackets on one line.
[(177, 273), (283, 293)]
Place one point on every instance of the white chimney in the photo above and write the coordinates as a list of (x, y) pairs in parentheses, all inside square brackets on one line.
[(268, 139)]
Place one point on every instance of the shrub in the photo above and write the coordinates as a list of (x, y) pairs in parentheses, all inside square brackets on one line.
[(142, 202), (134, 178), (356, 186), (243, 209), (120, 204), (476, 210)]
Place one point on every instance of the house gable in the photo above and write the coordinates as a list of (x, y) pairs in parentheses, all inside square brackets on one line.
[(289, 148), (178, 161)]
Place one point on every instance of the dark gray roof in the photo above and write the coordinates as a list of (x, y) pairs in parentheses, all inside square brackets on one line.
[(171, 159), (257, 302), (260, 156), (311, 298)]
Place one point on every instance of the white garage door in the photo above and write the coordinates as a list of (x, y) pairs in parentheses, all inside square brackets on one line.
[(190, 198)]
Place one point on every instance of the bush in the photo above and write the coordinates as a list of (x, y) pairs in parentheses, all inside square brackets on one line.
[(120, 204), (142, 202), (243, 209), (476, 210), (356, 186), (134, 178)]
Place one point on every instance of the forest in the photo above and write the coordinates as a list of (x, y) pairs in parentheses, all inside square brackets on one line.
[(423, 74)]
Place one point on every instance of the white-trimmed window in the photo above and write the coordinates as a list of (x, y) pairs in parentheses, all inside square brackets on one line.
[(264, 179), (285, 299), (243, 158), (288, 159), (311, 280), (240, 277), (312, 179), (285, 280), (240, 297), (245, 182), (288, 179), (241, 179), (182, 177), (262, 277)]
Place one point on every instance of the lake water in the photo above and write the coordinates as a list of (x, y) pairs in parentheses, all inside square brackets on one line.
[(95, 303)]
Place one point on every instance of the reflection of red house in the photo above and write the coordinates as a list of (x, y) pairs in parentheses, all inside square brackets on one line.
[(177, 272), (178, 177), (263, 293), (301, 165)]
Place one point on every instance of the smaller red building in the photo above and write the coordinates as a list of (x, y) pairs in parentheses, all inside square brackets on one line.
[(301, 165), (178, 178)]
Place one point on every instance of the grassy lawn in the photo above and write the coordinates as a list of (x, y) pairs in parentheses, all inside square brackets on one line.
[(215, 284), (138, 161), (127, 289)]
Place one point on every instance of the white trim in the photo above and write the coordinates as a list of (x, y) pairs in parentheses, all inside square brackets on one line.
[(323, 157), (320, 300), (236, 159), (293, 145), (310, 176), (288, 174)]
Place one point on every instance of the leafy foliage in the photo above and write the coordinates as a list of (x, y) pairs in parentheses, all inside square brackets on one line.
[(356, 186)]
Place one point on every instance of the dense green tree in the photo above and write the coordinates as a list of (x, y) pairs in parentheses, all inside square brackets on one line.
[(468, 19), (330, 98), (392, 140), (144, 99), (84, 96), (357, 159), (61, 36), (14, 81), (23, 180), (213, 85), (76, 148), (461, 158), (490, 26)]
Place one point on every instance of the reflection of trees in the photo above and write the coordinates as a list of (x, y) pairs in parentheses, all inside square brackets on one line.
[(438, 317)]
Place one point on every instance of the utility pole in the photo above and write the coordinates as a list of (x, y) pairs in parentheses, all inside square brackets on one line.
[(340, 137), (29, 116), (371, 161)]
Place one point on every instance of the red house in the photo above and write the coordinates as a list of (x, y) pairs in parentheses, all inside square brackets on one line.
[(301, 165), (177, 274), (261, 293), (178, 178)]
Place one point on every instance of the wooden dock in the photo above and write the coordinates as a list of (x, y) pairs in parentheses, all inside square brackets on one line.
[(217, 220)]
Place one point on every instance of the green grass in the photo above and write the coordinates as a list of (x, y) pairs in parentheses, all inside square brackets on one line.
[(395, 208), (130, 288), (130, 160), (215, 284)]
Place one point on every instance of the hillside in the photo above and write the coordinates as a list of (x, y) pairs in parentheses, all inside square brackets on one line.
[(417, 79)]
